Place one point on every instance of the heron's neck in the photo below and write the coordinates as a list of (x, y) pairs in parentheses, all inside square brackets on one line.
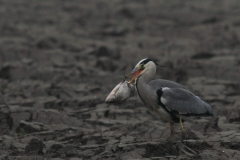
[(142, 84), (144, 90)]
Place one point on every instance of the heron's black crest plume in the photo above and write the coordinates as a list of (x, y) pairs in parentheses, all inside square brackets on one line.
[(159, 65), (145, 61)]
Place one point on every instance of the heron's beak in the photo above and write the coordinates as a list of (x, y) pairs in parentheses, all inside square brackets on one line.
[(136, 71)]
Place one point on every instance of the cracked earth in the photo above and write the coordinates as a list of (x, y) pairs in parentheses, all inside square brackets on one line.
[(60, 59)]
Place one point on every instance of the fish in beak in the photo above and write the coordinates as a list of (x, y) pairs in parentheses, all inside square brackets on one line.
[(121, 93), (136, 72)]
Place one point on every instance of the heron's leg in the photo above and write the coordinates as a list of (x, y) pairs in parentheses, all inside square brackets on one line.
[(172, 131), (183, 135)]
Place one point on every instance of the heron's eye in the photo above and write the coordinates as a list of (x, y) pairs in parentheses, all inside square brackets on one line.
[(141, 66)]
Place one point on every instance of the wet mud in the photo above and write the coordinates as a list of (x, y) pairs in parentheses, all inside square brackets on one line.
[(60, 59)]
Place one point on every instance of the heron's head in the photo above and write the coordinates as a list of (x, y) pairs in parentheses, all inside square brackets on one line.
[(141, 68)]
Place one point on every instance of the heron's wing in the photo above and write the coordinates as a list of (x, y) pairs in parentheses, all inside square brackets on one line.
[(159, 83), (183, 102)]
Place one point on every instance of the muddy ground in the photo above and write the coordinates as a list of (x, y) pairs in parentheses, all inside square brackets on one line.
[(60, 59)]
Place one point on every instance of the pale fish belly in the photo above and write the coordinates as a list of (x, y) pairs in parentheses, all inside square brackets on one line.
[(121, 93)]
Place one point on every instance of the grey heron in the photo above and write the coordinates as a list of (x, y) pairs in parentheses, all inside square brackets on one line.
[(168, 100)]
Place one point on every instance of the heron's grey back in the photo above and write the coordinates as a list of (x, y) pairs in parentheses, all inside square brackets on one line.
[(160, 83)]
